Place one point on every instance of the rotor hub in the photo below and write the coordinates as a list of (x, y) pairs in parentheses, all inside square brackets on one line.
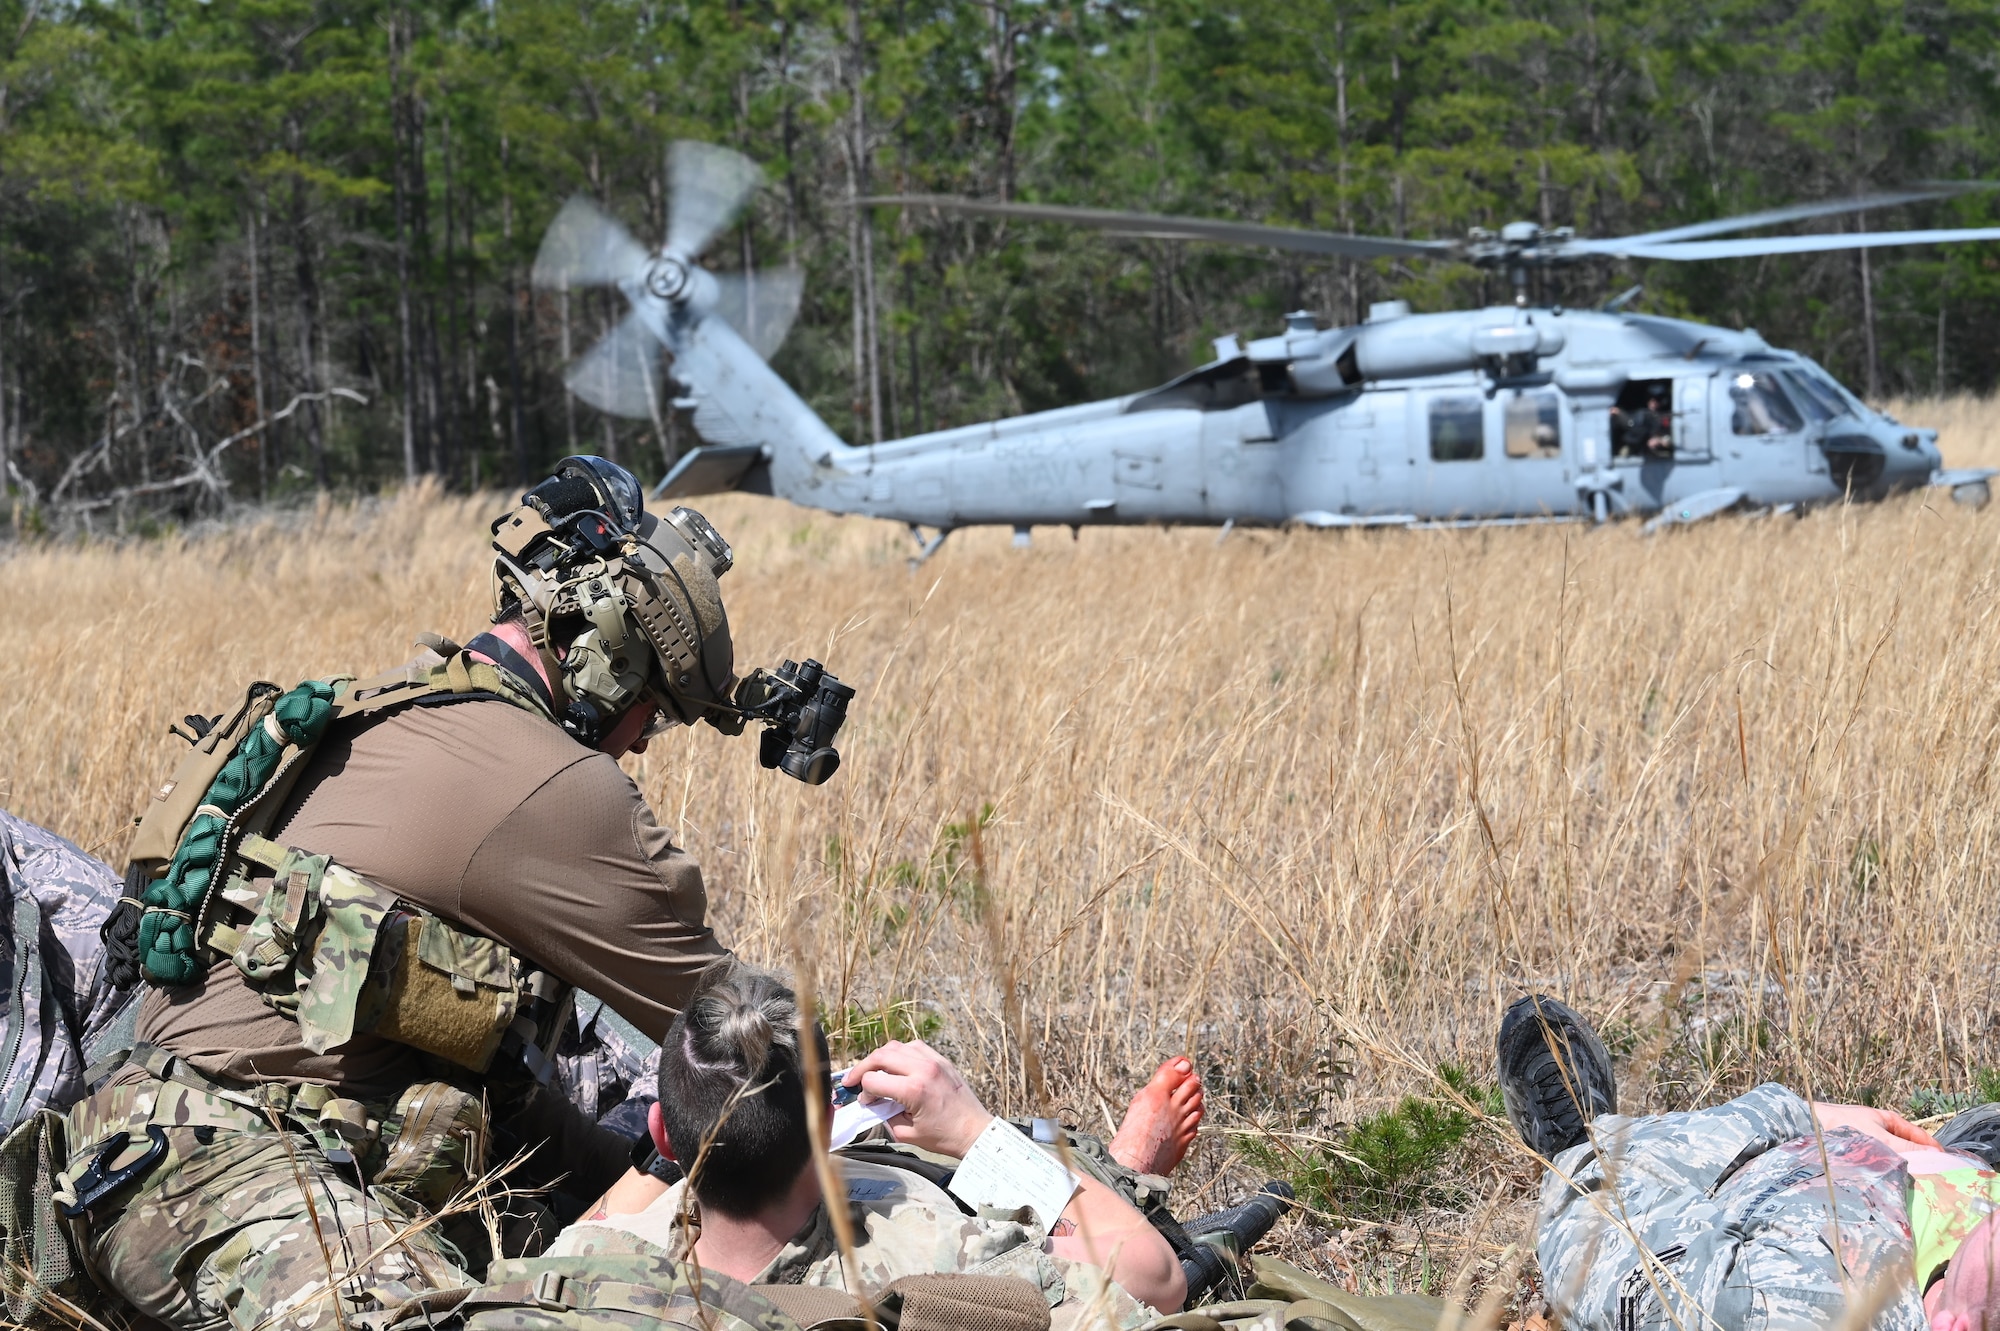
[(667, 278)]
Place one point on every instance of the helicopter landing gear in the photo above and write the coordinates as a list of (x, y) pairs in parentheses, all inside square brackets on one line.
[(925, 547), (1972, 495), (1598, 484), (1024, 537)]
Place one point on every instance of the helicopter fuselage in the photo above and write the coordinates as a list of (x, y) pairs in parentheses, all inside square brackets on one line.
[(1503, 413)]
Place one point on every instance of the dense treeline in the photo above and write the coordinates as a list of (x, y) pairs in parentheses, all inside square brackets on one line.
[(254, 247)]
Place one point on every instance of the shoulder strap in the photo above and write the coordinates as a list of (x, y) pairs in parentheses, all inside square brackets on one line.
[(945, 1301), (813, 1307), (457, 677), (959, 1301)]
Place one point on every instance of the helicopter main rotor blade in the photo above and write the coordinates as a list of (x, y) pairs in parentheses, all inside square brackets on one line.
[(621, 374), (1758, 245), (710, 186), (1153, 226), (1797, 212), (761, 305), (586, 247)]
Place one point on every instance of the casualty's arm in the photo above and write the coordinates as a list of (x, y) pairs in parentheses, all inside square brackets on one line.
[(941, 1114), (1885, 1125)]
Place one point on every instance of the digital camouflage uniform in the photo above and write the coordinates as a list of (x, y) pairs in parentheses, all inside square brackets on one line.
[(57, 1000), (904, 1225), (608, 1068), (1737, 1215)]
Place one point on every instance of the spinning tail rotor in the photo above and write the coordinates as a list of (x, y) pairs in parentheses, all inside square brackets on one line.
[(585, 247)]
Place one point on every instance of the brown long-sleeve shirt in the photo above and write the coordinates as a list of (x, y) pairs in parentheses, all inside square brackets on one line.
[(495, 818)]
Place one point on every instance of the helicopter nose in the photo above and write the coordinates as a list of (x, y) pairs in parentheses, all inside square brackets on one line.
[(1910, 452)]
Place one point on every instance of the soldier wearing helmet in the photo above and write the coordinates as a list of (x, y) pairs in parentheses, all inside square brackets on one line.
[(362, 907)]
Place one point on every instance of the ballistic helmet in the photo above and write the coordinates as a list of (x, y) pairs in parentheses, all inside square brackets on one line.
[(625, 607)]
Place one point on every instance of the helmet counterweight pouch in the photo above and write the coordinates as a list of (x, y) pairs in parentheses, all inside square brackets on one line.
[(173, 805)]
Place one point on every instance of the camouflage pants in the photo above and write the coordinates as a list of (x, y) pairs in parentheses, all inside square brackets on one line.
[(242, 1225), (1734, 1210)]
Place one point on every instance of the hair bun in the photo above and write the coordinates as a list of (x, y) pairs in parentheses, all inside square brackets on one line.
[(739, 1017)]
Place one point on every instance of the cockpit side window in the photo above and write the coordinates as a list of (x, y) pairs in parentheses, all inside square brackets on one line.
[(1759, 406), (1458, 429), (1534, 426)]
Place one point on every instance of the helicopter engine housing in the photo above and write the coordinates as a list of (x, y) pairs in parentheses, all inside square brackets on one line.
[(1412, 348)]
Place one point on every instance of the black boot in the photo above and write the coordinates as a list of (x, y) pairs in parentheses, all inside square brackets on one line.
[(1550, 1099), (1976, 1131)]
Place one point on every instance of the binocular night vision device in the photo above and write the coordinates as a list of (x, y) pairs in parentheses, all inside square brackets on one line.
[(804, 707)]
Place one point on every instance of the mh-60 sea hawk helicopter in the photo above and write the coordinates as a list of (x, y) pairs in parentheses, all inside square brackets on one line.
[(1502, 414)]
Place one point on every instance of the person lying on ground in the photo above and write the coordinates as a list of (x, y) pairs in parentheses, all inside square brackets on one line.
[(732, 1110), (1766, 1211)]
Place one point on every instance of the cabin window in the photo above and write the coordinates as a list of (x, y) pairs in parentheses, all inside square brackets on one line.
[(1534, 426), (1759, 406), (1458, 429)]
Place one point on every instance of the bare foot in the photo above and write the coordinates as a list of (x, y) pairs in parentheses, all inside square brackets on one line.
[(1159, 1126)]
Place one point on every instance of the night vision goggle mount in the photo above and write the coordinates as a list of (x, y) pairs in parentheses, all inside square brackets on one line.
[(626, 608)]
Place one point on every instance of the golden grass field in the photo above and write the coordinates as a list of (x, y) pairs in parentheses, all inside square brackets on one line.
[(1311, 806)]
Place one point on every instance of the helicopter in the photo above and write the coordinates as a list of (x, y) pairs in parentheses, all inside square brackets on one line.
[(1508, 414)]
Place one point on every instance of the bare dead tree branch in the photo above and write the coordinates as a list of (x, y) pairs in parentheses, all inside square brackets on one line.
[(203, 469)]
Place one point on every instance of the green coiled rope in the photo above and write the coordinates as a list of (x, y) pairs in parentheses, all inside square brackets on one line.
[(167, 951)]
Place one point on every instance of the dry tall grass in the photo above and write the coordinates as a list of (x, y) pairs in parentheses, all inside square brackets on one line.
[(1314, 806)]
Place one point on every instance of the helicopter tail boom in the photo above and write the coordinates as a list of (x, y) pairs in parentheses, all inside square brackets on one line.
[(758, 435)]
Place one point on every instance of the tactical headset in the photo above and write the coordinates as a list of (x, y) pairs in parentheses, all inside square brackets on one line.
[(626, 609)]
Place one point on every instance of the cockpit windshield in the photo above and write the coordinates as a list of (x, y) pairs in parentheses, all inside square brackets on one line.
[(1806, 397), (1759, 405), (1833, 389), (1810, 385)]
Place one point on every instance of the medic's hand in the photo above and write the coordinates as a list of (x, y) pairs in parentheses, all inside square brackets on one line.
[(940, 1112), (1883, 1124)]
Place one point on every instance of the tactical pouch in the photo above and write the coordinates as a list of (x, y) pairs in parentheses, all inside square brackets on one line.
[(438, 989), (36, 1263), (309, 945), (436, 1139), (173, 805), (341, 956)]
